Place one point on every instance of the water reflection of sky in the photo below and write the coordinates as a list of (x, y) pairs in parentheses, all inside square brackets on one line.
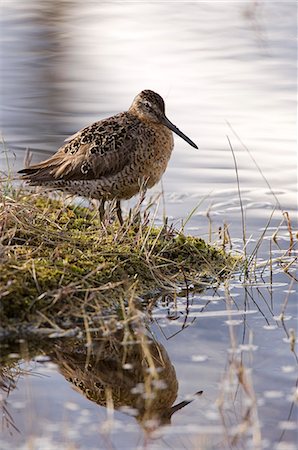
[(68, 64)]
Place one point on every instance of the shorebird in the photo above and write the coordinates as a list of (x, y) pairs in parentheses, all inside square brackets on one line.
[(113, 157)]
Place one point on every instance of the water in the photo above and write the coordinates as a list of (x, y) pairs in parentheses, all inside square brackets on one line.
[(224, 69)]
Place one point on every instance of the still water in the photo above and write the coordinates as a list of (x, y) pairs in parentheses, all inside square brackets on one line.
[(224, 69)]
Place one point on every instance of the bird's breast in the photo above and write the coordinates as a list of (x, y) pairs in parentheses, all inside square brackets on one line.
[(157, 147)]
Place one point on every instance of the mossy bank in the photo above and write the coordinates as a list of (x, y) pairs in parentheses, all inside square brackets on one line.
[(59, 263)]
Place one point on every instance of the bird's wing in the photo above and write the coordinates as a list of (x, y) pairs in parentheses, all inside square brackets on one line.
[(100, 149)]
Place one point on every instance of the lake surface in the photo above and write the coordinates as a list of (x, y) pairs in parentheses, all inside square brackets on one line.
[(224, 69)]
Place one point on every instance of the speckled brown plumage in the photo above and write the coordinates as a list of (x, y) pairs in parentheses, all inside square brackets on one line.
[(111, 158)]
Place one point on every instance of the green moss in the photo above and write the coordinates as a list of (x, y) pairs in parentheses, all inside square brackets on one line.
[(58, 260)]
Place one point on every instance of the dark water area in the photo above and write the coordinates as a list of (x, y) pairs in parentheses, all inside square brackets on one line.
[(224, 69)]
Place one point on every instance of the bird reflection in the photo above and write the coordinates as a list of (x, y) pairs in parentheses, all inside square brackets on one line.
[(129, 373)]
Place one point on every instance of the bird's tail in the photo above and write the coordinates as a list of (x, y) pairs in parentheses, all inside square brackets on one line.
[(53, 169), (38, 173)]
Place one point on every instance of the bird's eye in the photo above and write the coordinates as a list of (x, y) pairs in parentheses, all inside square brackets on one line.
[(147, 104)]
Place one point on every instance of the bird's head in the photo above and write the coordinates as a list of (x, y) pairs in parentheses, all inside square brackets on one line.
[(150, 107)]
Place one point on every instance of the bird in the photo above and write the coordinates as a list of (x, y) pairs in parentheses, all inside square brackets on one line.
[(111, 158)]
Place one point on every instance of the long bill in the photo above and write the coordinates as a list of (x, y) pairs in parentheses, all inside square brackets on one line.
[(183, 403), (176, 130)]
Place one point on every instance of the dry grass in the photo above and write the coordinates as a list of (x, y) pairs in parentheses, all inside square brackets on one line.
[(60, 265)]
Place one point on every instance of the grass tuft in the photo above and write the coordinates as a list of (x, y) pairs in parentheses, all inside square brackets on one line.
[(59, 264)]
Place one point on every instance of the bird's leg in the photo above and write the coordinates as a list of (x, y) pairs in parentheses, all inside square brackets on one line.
[(119, 212), (102, 209)]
